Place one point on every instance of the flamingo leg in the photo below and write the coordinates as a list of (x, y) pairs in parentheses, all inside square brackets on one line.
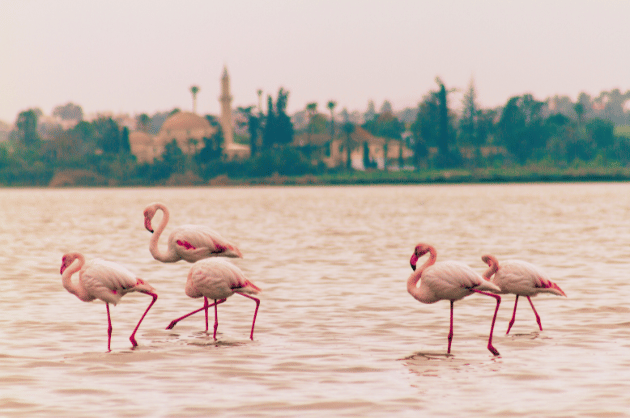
[(133, 334), (109, 328), (494, 318), (175, 321), (513, 316), (251, 335), (205, 305), (450, 333), (535, 313), (216, 320)]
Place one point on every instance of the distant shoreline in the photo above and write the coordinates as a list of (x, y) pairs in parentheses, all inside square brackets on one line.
[(83, 178)]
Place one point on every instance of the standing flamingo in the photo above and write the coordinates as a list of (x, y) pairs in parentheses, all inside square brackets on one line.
[(522, 279), (217, 279), (448, 280), (187, 242), (104, 280)]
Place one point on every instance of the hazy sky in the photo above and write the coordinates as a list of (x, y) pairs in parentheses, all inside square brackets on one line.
[(142, 56)]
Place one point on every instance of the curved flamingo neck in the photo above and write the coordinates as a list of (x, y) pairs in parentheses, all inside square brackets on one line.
[(412, 282), (66, 279), (493, 266), (170, 255)]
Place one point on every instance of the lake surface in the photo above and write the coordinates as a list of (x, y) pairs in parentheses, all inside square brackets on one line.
[(337, 333)]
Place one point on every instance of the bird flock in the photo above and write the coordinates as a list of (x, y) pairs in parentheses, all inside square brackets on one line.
[(210, 278), (217, 279)]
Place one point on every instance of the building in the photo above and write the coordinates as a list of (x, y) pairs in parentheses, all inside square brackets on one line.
[(230, 148), (143, 147), (333, 153), (189, 129)]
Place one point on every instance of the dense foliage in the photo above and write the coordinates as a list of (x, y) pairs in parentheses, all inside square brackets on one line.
[(555, 133)]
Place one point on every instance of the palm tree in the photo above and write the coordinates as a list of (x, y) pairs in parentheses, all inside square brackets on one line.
[(331, 106), (143, 122), (194, 90), (348, 128), (311, 110), (259, 92)]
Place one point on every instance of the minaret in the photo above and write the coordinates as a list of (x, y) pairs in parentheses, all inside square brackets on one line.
[(226, 110)]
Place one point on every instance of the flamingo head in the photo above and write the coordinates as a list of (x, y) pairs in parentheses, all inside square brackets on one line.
[(421, 249), (490, 260), (149, 213), (66, 260), (232, 251), (143, 286), (492, 263)]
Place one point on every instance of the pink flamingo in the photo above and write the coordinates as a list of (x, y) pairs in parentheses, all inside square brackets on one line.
[(104, 280), (187, 242), (217, 279), (522, 279), (448, 280)]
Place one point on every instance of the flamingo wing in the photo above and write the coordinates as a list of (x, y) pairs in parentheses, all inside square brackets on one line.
[(217, 278), (195, 242), (451, 280), (106, 280), (523, 278)]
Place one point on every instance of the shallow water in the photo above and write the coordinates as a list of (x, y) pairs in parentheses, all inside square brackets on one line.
[(337, 333)]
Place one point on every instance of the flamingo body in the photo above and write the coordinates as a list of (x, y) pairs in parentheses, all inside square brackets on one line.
[(217, 279), (522, 279), (104, 280), (186, 242), (448, 280)]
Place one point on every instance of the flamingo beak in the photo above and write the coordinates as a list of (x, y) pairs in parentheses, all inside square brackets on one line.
[(147, 224), (413, 261), (231, 251)]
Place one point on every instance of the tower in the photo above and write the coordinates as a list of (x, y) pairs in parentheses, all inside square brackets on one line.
[(226, 110)]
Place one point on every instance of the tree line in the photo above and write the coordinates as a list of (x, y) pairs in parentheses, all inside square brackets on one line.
[(525, 131)]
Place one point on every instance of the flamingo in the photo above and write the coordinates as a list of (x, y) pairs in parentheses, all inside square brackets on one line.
[(104, 280), (448, 280), (217, 279), (187, 242), (522, 279)]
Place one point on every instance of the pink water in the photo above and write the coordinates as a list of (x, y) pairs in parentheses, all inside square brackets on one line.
[(337, 333)]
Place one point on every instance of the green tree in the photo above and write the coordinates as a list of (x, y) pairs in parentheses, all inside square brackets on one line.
[(468, 124), (269, 130), (125, 146), (68, 111), (348, 144), (284, 125), (174, 157), (444, 131), (143, 121), (27, 128), (424, 129), (370, 112), (253, 127), (521, 127), (601, 132), (108, 135), (278, 128)]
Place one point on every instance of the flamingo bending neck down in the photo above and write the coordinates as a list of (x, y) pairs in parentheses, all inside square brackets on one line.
[(104, 280), (448, 280), (522, 279), (187, 242), (217, 279)]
